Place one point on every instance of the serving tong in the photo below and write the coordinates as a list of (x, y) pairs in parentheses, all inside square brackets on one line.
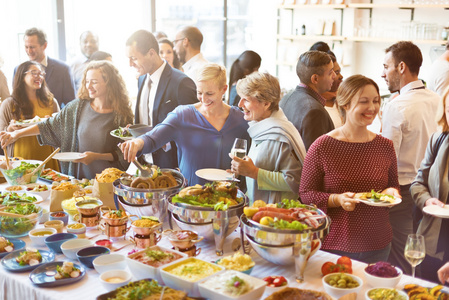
[(13, 215), (144, 171)]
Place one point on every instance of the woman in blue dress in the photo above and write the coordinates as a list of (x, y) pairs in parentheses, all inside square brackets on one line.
[(203, 132)]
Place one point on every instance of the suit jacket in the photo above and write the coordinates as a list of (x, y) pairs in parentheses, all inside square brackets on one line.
[(174, 88), (432, 182), (59, 80), (307, 114)]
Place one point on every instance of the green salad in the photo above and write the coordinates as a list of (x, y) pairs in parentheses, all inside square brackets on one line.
[(11, 198), (137, 290), (19, 175), (122, 132), (16, 227)]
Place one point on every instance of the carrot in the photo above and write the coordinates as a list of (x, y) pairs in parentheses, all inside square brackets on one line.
[(273, 215)]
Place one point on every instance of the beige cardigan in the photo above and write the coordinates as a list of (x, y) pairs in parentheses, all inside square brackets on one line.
[(6, 115)]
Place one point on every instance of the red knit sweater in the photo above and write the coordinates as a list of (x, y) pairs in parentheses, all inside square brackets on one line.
[(334, 167)]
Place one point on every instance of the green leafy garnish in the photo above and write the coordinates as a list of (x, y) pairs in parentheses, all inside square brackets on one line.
[(282, 224), (285, 203)]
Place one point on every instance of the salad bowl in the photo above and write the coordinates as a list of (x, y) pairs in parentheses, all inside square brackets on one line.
[(20, 174)]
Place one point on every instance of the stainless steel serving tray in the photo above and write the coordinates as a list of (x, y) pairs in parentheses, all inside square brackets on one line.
[(269, 236)]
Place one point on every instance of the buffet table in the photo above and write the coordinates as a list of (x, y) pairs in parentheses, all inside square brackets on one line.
[(14, 286)]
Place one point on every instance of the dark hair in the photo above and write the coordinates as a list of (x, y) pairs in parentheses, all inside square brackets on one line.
[(99, 55), (320, 46), (41, 36), (176, 62), (194, 35), (408, 53), (159, 35), (22, 104), (311, 62), (243, 65), (349, 88), (144, 41)]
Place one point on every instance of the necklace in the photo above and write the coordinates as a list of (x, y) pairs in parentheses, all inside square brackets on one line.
[(347, 139)]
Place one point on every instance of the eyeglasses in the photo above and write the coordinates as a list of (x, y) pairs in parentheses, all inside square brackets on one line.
[(35, 73), (177, 40)]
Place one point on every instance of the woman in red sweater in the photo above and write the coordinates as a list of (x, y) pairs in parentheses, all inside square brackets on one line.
[(349, 160)]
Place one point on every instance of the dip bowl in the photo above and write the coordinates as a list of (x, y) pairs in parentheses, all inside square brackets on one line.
[(39, 235), (337, 292), (377, 281), (55, 241), (109, 262), (60, 215), (399, 293), (113, 279), (71, 247), (87, 255), (182, 239)]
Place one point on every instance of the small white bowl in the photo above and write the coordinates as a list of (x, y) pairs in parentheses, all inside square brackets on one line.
[(376, 281), (70, 247), (404, 294), (43, 194), (275, 289), (39, 240), (339, 292), (109, 262), (125, 277), (207, 291)]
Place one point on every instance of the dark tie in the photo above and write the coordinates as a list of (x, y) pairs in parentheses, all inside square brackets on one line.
[(146, 99)]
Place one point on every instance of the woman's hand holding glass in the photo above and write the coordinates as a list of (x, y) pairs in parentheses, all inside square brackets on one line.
[(243, 166), (130, 148)]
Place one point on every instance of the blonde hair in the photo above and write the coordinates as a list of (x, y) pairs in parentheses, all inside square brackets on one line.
[(441, 112), (214, 72), (349, 88), (117, 94), (262, 86)]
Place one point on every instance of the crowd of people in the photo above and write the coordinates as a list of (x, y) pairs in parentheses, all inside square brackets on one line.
[(313, 144)]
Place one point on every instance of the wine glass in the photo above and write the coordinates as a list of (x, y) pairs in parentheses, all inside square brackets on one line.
[(239, 150), (415, 250)]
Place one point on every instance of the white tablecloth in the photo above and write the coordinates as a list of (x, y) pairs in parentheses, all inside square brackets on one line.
[(17, 286)]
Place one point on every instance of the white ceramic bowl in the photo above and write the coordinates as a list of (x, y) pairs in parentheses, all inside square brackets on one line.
[(404, 294), (43, 194), (142, 271), (109, 262), (275, 289), (39, 240), (116, 274), (179, 283), (207, 290), (339, 292), (70, 247), (376, 281)]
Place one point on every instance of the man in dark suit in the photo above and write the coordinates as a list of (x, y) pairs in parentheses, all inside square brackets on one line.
[(57, 73), (161, 89), (304, 106)]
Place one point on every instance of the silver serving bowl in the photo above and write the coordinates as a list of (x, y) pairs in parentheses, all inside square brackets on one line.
[(279, 255)]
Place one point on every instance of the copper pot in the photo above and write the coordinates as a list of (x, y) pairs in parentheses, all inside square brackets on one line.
[(89, 211), (113, 221), (146, 230), (182, 239)]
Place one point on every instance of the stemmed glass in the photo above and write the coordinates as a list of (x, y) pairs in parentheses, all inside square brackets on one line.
[(239, 150), (415, 250)]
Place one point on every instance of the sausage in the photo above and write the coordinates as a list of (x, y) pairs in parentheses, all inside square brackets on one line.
[(275, 209), (259, 215)]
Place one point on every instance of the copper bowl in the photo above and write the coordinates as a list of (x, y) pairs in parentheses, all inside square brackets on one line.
[(146, 230), (182, 239), (114, 221), (88, 211)]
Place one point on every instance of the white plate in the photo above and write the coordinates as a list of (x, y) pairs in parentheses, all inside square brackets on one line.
[(214, 174), (121, 137), (381, 204), (68, 156), (437, 211)]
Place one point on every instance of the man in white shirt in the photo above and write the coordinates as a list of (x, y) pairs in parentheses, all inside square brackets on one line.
[(187, 45), (330, 96), (161, 89), (88, 46), (409, 121), (439, 73)]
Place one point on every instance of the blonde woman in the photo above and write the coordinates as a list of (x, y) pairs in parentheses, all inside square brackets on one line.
[(85, 123), (203, 132)]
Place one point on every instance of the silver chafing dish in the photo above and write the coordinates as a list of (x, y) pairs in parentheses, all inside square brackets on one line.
[(283, 246), (147, 202), (206, 221)]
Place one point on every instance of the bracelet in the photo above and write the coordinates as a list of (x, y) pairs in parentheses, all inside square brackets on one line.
[(332, 200)]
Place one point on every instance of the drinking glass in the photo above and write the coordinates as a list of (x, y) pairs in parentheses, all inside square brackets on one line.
[(239, 149), (415, 250)]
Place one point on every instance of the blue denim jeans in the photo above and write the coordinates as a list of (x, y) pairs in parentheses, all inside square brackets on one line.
[(368, 257)]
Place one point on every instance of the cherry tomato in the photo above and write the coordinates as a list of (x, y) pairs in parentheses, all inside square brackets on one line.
[(344, 260), (275, 281), (327, 267), (344, 268)]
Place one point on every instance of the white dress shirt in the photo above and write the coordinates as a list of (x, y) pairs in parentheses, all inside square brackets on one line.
[(409, 121), (438, 79), (155, 78), (335, 115), (192, 66)]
